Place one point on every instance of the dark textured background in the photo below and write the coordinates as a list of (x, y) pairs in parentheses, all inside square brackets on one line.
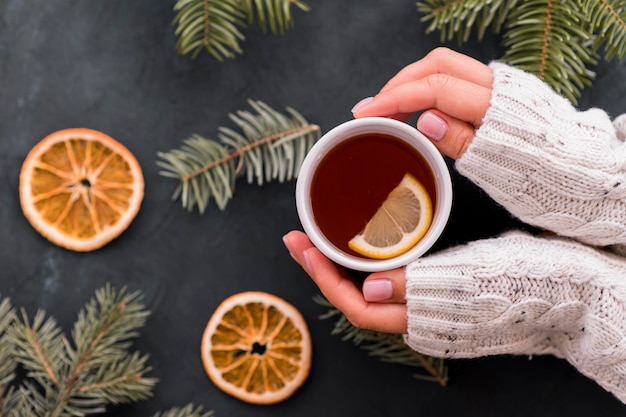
[(112, 65)]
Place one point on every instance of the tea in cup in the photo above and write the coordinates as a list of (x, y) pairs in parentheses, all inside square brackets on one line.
[(373, 194)]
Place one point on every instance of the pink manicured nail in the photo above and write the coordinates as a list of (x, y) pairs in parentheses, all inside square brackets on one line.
[(358, 106), (306, 255), (287, 245), (377, 290), (432, 126)]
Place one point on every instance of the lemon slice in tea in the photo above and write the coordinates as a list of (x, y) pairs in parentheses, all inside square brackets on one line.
[(257, 347), (398, 224)]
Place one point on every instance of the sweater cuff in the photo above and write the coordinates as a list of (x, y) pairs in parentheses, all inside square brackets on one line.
[(519, 294), (473, 300), (547, 163)]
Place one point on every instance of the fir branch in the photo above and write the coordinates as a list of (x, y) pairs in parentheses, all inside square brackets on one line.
[(607, 19), (387, 347), (101, 368), (275, 14), (8, 364), (77, 381), (556, 40), (456, 19), (209, 25), (214, 26), (104, 327), (96, 370), (30, 402), (547, 38), (269, 146), (188, 411), (120, 382), (40, 348)]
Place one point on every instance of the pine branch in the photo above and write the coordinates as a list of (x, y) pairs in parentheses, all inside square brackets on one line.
[(120, 382), (269, 146), (456, 19), (548, 38), (96, 370), (556, 40), (214, 26), (65, 381), (387, 347), (101, 367), (40, 348), (104, 327), (29, 402), (8, 364), (209, 25), (188, 411), (275, 14), (607, 19)]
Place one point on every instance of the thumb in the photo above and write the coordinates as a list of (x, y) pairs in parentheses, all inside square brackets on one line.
[(450, 135)]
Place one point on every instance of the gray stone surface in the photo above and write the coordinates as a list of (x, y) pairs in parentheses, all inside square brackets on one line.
[(112, 65)]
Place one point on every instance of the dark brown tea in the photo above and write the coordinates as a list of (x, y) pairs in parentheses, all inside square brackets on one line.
[(355, 177)]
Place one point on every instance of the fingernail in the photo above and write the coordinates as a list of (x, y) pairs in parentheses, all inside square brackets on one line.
[(377, 290), (288, 246), (432, 126), (358, 106), (307, 261)]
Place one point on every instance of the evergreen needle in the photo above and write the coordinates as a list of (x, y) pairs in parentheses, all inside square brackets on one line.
[(214, 26), (387, 347), (269, 145), (559, 41), (74, 377)]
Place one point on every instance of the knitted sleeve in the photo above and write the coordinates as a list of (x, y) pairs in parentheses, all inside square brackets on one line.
[(547, 163), (519, 294)]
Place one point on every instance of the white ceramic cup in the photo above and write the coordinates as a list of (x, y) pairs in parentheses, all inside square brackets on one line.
[(386, 126)]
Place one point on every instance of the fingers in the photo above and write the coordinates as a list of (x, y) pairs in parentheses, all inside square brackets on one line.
[(298, 243), (385, 287), (344, 293), (455, 97), (454, 87), (458, 108), (444, 61), (451, 136)]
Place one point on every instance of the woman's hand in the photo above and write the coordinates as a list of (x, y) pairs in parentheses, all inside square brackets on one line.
[(453, 88), (379, 305)]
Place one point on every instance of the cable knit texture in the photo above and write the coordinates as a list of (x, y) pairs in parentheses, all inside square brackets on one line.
[(560, 169), (549, 164), (519, 294)]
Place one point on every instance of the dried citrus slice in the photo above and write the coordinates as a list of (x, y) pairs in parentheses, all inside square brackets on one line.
[(257, 347), (398, 224), (80, 188)]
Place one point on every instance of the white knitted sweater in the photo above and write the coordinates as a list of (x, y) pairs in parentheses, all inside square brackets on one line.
[(559, 169)]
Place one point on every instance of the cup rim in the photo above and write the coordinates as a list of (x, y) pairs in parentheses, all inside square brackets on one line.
[(406, 133)]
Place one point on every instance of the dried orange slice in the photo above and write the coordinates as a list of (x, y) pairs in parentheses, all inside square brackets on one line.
[(398, 224), (257, 347), (80, 188)]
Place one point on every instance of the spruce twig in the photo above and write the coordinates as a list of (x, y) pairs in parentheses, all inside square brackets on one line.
[(607, 20), (268, 146), (272, 15), (548, 38), (82, 376), (559, 41), (8, 364), (215, 26), (209, 25), (188, 411), (387, 347)]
